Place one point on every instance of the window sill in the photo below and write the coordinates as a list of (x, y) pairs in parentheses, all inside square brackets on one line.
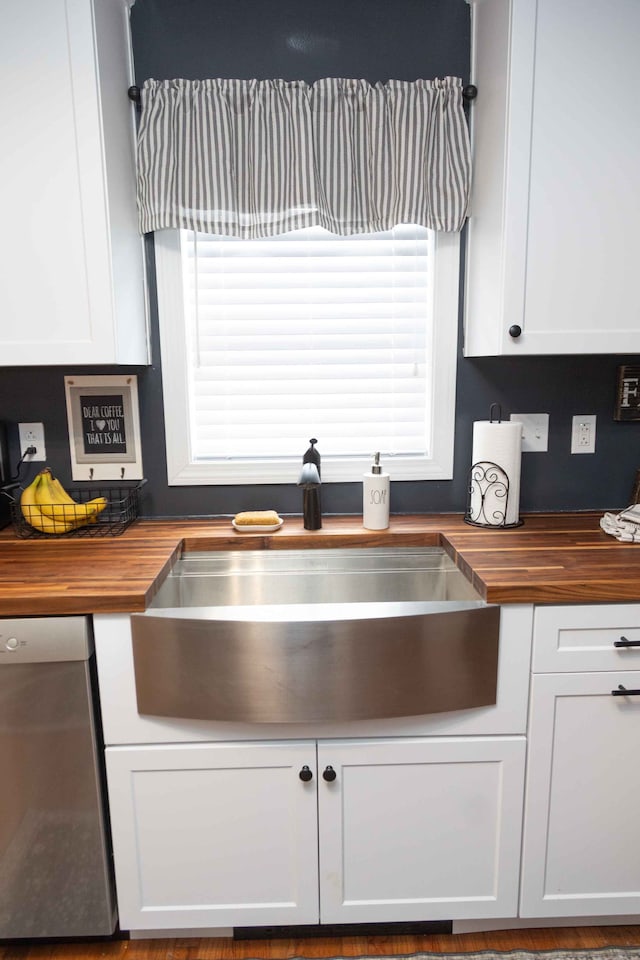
[(278, 471)]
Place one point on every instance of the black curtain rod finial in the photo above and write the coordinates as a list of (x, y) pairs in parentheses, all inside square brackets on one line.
[(134, 94)]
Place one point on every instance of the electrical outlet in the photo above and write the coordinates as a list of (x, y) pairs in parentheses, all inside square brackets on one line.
[(32, 435), (583, 434), (535, 431)]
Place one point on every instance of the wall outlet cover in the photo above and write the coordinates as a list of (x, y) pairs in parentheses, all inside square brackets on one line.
[(32, 435), (583, 433), (535, 431)]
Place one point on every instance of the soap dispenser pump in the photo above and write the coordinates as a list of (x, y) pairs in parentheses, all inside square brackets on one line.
[(375, 497)]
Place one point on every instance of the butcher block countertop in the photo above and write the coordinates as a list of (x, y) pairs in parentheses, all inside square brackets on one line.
[(551, 558)]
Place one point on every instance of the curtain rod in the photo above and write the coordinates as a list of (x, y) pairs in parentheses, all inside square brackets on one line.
[(469, 93)]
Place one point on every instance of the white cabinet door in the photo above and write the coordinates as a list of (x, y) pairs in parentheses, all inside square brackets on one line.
[(552, 242), (214, 835), (581, 836), (420, 829), (71, 258), (223, 835)]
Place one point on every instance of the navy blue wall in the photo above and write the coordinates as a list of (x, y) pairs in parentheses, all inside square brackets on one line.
[(300, 39), (374, 39)]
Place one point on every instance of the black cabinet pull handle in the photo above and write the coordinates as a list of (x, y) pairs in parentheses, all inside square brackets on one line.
[(329, 774), (623, 642), (306, 774), (623, 692), (515, 331)]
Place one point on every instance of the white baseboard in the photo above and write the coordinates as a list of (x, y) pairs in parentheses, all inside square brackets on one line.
[(517, 923)]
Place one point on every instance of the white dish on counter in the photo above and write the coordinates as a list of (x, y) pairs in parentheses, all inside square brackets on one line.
[(256, 527)]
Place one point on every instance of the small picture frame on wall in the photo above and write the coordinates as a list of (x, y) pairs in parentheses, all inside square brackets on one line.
[(104, 427), (628, 394)]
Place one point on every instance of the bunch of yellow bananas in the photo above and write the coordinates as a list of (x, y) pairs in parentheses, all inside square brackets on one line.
[(47, 506)]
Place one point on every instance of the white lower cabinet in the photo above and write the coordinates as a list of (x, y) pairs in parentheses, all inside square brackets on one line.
[(231, 834), (424, 824), (214, 835), (421, 829), (581, 837)]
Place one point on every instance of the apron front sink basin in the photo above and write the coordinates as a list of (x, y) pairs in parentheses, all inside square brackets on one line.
[(315, 635)]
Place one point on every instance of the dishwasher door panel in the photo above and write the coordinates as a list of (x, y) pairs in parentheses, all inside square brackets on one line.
[(54, 862)]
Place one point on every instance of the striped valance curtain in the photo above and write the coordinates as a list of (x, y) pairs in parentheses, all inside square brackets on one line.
[(257, 158)]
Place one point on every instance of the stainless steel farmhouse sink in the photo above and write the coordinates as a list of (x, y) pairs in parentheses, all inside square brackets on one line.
[(294, 636)]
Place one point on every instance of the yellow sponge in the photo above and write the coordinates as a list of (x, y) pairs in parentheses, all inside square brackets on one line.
[(262, 518)]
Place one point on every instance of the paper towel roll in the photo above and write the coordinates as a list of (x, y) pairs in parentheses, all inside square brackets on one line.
[(498, 442)]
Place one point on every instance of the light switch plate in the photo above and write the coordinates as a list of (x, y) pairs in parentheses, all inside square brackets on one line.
[(535, 431)]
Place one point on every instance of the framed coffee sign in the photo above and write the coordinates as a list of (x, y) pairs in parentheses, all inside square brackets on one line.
[(104, 427)]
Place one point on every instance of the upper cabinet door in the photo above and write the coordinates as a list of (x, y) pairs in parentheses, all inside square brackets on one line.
[(552, 238), (72, 286)]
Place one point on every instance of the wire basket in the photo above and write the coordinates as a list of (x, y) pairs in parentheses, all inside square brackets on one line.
[(122, 508)]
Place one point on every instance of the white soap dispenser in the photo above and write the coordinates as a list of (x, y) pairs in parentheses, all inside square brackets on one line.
[(375, 498)]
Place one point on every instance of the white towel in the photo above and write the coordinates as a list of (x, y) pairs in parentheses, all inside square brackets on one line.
[(624, 526)]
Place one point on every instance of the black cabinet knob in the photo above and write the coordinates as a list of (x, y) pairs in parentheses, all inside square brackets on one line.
[(515, 331), (306, 774), (329, 774)]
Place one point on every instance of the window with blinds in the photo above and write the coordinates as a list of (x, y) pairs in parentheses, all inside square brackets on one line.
[(308, 334)]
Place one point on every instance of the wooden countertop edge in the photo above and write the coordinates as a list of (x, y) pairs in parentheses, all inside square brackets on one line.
[(552, 558)]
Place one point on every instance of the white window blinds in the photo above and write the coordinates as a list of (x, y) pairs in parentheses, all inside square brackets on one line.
[(310, 334)]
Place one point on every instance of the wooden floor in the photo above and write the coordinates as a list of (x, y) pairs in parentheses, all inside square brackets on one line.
[(552, 938)]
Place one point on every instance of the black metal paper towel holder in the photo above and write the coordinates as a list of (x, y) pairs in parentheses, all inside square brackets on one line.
[(488, 488)]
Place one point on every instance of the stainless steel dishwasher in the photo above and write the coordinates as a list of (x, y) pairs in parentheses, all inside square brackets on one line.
[(55, 860)]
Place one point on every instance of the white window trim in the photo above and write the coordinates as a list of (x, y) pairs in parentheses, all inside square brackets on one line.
[(184, 470)]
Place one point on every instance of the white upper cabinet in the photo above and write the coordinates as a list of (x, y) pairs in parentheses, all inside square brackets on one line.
[(553, 239), (72, 285)]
